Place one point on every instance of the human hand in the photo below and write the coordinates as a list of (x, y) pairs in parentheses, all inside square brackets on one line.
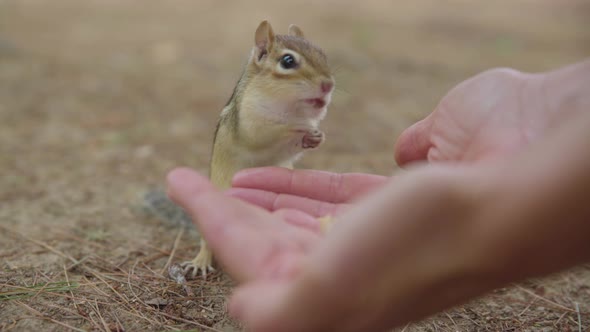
[(490, 116)]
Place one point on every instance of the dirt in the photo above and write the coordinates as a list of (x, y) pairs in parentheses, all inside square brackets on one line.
[(99, 99)]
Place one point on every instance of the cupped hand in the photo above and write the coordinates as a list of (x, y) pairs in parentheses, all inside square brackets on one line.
[(482, 118)]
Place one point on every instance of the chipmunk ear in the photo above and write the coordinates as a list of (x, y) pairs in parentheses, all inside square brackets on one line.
[(263, 39), (294, 30)]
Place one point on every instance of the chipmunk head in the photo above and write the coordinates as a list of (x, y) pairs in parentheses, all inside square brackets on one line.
[(291, 71)]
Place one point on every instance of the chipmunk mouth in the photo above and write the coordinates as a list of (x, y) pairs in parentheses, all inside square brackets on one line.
[(316, 102)]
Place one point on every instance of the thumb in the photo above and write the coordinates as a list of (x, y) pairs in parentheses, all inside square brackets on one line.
[(185, 184), (414, 142)]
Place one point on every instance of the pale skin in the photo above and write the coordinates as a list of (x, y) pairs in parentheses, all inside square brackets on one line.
[(500, 194)]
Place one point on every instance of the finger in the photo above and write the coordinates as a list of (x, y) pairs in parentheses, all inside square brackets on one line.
[(227, 224), (299, 219), (414, 142), (319, 185), (272, 201)]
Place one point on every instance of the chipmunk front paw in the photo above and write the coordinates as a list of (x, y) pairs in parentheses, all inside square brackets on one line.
[(312, 139)]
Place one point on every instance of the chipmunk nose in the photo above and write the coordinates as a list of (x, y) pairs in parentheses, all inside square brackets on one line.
[(327, 86)]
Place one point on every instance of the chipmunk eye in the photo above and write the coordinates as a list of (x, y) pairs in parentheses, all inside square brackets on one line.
[(288, 61)]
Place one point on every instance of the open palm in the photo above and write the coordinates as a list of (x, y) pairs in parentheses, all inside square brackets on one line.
[(315, 193)]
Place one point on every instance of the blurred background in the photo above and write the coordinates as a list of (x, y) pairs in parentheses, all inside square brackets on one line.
[(99, 99)]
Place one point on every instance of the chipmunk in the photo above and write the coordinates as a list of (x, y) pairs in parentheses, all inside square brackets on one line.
[(273, 114)]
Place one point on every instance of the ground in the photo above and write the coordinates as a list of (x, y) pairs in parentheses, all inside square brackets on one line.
[(99, 99)]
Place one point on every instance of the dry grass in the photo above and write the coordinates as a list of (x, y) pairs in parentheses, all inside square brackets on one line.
[(131, 293), (111, 294), (99, 99)]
